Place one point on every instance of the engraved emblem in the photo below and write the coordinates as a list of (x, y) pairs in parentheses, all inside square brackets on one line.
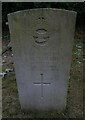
[(41, 38)]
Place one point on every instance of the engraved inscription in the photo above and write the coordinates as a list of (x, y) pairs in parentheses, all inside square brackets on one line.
[(41, 31), (41, 18), (41, 40), (41, 84)]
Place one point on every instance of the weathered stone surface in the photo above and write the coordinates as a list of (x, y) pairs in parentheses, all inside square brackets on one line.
[(42, 41)]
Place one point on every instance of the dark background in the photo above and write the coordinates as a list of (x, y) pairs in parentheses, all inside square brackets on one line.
[(79, 7)]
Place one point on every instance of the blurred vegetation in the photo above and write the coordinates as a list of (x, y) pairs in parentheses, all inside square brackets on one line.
[(79, 7)]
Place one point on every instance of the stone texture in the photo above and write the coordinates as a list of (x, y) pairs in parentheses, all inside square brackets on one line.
[(42, 41)]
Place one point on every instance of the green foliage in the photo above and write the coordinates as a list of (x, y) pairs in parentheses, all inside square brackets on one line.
[(6, 49)]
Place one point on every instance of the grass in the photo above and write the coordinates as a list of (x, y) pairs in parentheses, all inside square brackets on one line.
[(74, 109), (75, 96)]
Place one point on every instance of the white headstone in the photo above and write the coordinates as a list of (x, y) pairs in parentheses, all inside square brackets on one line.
[(42, 41)]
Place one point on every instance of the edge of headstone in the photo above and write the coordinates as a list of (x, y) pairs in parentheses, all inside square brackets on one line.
[(17, 12)]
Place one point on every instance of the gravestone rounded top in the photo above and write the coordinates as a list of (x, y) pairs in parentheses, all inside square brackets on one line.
[(43, 9), (38, 20)]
